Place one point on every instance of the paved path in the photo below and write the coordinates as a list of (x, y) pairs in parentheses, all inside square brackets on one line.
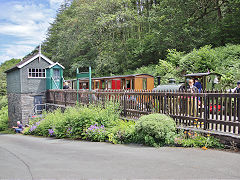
[(26, 157)]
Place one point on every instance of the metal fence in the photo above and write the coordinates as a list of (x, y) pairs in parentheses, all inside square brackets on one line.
[(219, 111)]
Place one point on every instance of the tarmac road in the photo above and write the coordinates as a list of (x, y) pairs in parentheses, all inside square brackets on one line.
[(26, 157)]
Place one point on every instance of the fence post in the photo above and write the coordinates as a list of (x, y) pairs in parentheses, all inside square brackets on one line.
[(205, 111), (65, 98), (165, 103), (54, 97), (124, 105)]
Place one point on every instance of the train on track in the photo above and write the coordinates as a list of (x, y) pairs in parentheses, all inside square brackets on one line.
[(208, 80)]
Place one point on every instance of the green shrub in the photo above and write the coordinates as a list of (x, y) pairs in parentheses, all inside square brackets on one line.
[(193, 139), (74, 122), (155, 130), (96, 133), (3, 118), (108, 115), (3, 101), (122, 132)]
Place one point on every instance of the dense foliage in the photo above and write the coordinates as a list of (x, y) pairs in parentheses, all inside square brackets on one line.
[(193, 139), (123, 132), (3, 113), (96, 123), (224, 60), (3, 67), (75, 122), (116, 37), (156, 130)]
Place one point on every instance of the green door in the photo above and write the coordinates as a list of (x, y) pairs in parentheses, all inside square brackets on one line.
[(56, 78)]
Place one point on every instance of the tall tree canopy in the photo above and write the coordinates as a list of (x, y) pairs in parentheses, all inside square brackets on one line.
[(119, 36), (3, 67)]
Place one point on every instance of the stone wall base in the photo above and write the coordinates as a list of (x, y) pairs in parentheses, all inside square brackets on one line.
[(21, 107)]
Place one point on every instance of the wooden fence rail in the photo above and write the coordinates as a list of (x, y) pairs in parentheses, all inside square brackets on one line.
[(219, 111)]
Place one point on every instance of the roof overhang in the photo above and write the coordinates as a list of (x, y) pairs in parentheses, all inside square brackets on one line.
[(202, 74), (34, 57), (55, 65)]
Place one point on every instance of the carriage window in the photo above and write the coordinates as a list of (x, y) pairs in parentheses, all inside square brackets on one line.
[(132, 83), (123, 84), (103, 84), (36, 73), (144, 84), (128, 85), (109, 84), (97, 85)]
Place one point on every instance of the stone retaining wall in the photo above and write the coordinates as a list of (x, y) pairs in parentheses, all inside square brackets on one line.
[(21, 107)]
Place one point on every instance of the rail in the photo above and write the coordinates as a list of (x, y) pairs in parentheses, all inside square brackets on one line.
[(218, 111)]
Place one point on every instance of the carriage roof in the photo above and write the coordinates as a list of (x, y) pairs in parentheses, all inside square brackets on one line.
[(202, 74)]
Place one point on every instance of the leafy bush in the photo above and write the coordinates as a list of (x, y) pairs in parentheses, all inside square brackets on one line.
[(193, 139), (96, 133), (74, 122), (156, 130), (3, 118), (3, 101), (122, 132)]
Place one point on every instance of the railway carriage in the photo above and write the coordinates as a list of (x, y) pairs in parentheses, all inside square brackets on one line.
[(122, 82)]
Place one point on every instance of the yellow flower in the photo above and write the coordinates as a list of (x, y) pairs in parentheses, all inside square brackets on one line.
[(208, 135), (195, 123), (189, 134), (185, 132), (204, 148), (196, 119), (202, 122)]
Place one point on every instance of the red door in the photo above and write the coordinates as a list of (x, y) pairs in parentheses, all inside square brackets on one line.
[(116, 84), (113, 84)]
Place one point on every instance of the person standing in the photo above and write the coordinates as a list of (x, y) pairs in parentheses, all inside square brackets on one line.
[(198, 85), (192, 101), (237, 89)]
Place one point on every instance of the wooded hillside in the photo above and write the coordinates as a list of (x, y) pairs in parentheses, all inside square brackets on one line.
[(117, 37), (3, 67)]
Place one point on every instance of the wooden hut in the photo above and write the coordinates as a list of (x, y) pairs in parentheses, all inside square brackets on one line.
[(26, 86)]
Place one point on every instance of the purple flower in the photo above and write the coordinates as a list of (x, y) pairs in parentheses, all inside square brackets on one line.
[(51, 132), (32, 128)]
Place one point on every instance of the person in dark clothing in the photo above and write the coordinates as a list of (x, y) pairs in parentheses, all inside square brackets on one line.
[(65, 86), (237, 89), (19, 127), (198, 85)]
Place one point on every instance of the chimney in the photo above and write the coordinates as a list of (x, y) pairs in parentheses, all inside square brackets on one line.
[(158, 80)]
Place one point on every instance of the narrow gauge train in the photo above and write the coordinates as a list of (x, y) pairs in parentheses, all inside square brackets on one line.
[(127, 82), (208, 80)]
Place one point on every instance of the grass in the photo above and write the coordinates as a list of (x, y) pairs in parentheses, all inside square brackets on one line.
[(7, 131)]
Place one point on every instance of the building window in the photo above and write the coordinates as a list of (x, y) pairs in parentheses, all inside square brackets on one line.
[(36, 73), (56, 74)]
